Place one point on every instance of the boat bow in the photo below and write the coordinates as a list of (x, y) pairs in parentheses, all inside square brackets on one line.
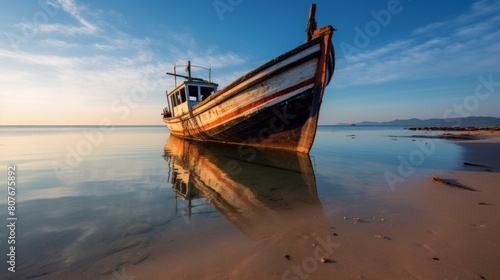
[(275, 105)]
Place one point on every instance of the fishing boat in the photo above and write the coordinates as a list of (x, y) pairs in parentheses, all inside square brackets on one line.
[(275, 105)]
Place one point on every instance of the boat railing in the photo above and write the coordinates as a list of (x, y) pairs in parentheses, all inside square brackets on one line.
[(189, 77)]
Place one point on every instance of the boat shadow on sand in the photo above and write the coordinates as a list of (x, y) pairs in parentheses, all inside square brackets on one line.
[(269, 195)]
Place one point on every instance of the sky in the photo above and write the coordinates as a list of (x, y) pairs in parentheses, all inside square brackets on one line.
[(72, 62)]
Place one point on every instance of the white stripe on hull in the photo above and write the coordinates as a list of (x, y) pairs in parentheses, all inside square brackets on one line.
[(292, 59), (258, 92)]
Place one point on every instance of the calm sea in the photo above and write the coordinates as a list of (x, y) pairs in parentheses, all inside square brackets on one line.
[(86, 197)]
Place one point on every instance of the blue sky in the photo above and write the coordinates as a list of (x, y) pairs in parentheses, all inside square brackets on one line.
[(88, 62)]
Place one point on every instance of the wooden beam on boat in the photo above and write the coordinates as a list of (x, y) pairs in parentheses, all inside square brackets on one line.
[(311, 23), (185, 77)]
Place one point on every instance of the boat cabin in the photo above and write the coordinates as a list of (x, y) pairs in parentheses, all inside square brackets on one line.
[(186, 95)]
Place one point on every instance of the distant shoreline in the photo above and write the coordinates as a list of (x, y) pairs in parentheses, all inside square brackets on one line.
[(448, 122), (457, 128), (459, 133), (79, 125)]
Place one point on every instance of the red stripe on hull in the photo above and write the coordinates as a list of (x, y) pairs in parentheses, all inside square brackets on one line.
[(247, 107)]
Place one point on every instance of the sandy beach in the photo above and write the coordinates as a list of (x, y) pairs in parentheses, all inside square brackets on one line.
[(423, 230), (443, 232), (268, 223)]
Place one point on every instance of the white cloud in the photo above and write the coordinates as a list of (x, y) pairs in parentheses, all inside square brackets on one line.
[(38, 59), (84, 26), (479, 10), (70, 74), (473, 29), (59, 43), (105, 47), (186, 48), (462, 46), (74, 10), (429, 28)]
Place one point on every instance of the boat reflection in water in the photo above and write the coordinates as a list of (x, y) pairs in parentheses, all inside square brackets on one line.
[(265, 193)]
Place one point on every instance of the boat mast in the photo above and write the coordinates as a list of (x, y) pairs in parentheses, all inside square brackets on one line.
[(311, 23), (175, 75), (188, 69)]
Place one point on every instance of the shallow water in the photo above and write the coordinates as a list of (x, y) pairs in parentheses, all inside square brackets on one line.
[(90, 200)]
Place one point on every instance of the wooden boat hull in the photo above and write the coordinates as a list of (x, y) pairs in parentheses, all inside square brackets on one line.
[(276, 105)]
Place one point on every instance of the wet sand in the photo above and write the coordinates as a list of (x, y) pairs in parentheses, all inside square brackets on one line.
[(425, 231), (454, 233)]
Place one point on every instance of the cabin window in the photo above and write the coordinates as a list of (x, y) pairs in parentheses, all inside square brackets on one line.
[(205, 92), (173, 101), (183, 95), (177, 98), (193, 93)]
